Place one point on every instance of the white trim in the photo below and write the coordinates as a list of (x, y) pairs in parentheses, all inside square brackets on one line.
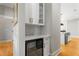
[(56, 52)]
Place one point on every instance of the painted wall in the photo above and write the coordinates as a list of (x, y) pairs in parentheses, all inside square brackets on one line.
[(70, 17), (21, 32), (73, 27), (69, 11), (2, 29), (5, 29), (52, 16), (48, 20), (64, 27), (5, 24), (55, 27)]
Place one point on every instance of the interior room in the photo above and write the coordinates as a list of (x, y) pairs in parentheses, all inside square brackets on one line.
[(39, 29), (69, 29)]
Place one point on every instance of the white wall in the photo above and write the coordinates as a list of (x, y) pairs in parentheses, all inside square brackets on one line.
[(9, 30), (70, 19), (52, 12), (6, 29), (2, 29), (69, 11), (73, 27), (55, 27), (5, 24), (64, 27), (52, 17), (21, 26)]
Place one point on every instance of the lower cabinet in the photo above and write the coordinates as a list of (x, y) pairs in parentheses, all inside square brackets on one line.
[(46, 46), (37, 47)]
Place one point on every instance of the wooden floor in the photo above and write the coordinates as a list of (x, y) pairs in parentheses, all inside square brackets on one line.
[(71, 49), (6, 48)]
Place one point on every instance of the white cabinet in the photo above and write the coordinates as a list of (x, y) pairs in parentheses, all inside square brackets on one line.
[(34, 13), (46, 46), (41, 13)]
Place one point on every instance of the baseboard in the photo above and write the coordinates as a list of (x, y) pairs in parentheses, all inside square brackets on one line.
[(56, 53)]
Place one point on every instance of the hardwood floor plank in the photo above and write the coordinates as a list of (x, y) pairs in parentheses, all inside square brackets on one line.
[(6, 48), (71, 49)]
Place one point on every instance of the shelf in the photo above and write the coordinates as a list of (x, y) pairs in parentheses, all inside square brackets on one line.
[(6, 17), (36, 36), (35, 24)]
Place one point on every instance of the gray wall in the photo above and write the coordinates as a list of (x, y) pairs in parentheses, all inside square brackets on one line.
[(73, 27), (2, 28), (19, 32), (48, 22), (52, 17), (55, 26), (21, 18), (5, 24)]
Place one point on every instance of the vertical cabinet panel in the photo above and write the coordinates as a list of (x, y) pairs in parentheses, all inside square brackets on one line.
[(46, 46)]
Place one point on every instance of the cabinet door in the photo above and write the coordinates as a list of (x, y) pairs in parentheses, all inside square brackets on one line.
[(46, 47), (41, 13), (32, 13), (35, 13), (27, 13)]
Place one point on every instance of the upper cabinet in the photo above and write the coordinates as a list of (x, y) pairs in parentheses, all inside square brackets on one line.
[(41, 13), (34, 13)]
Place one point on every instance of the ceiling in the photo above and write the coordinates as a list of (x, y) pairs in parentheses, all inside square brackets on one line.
[(69, 11)]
